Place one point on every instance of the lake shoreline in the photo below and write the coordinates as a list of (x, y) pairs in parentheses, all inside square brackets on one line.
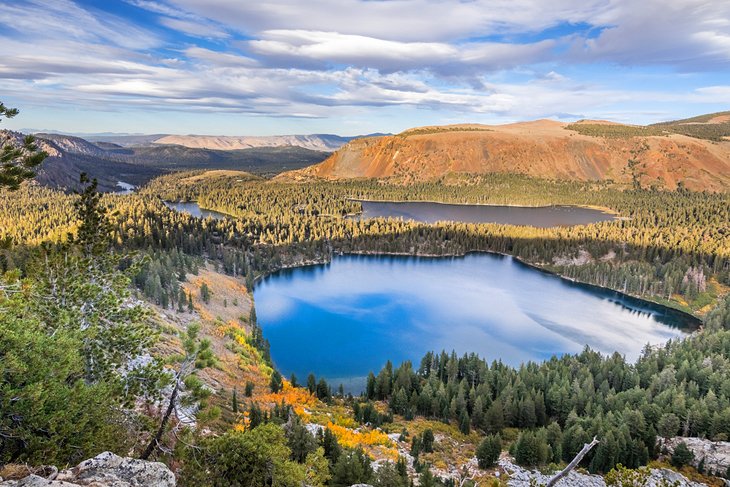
[(328, 259), (536, 267), (602, 209), (301, 303)]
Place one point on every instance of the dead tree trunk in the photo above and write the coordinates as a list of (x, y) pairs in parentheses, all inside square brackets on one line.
[(574, 463), (170, 408), (185, 370)]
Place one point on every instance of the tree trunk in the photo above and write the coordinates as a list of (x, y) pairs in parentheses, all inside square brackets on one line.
[(574, 463), (170, 408)]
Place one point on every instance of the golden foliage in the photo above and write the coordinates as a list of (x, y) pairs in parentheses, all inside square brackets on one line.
[(350, 438), (299, 398)]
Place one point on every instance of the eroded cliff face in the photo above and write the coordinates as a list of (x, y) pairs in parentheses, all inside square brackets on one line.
[(544, 149)]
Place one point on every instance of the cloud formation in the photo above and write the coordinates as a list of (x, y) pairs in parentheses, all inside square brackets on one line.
[(336, 59)]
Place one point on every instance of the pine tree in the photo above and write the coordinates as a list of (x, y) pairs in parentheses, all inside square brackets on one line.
[(18, 159), (331, 446), (682, 455), (300, 440), (205, 293), (85, 292), (427, 440), (488, 451), (323, 390), (427, 479), (464, 422), (276, 382), (181, 301), (197, 355), (311, 383), (351, 468)]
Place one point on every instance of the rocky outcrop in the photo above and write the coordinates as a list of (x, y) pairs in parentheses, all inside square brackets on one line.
[(104, 470), (520, 477), (716, 454)]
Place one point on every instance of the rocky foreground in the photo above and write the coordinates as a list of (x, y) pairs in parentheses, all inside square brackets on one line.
[(104, 470), (110, 470), (520, 477)]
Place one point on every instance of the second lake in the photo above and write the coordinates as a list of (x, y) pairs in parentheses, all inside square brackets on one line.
[(428, 212)]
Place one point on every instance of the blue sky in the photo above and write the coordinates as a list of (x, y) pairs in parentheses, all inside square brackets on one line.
[(235, 67)]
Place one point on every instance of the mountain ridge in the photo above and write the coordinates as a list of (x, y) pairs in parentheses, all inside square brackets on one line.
[(109, 163), (320, 142), (666, 156)]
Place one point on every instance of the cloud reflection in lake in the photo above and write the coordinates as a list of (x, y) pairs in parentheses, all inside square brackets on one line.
[(347, 318)]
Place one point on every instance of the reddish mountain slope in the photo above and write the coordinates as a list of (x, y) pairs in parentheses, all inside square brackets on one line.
[(588, 150)]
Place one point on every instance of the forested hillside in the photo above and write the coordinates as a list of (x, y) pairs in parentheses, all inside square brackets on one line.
[(671, 246), (196, 275)]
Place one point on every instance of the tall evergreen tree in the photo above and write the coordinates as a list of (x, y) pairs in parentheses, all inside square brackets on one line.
[(18, 158)]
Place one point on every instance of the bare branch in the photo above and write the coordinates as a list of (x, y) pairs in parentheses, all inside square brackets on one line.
[(574, 463)]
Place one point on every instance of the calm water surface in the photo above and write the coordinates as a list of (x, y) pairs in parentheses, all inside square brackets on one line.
[(344, 319), (125, 188), (193, 209), (426, 212)]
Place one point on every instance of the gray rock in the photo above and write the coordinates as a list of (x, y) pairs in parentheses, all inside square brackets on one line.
[(104, 470), (36, 481), (520, 477), (715, 453)]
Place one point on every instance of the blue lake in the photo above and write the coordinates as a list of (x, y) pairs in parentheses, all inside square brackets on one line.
[(347, 318), (430, 212)]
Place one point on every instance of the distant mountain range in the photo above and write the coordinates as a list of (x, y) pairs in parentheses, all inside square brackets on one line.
[(135, 159), (694, 153), (316, 142)]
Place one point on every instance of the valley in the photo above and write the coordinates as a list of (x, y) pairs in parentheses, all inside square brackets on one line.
[(141, 159), (392, 243), (378, 311)]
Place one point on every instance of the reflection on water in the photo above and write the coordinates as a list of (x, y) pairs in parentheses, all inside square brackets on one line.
[(426, 212), (344, 319), (125, 188), (193, 209)]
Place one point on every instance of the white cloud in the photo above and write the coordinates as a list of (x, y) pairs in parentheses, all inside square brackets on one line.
[(63, 19), (686, 34), (295, 47), (330, 58), (404, 20), (194, 28), (218, 58)]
